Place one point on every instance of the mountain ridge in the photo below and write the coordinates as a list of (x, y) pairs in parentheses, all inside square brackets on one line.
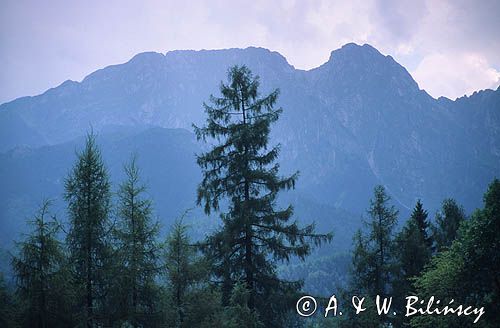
[(355, 121), (189, 51)]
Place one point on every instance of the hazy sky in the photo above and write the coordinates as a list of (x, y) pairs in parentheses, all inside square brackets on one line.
[(450, 47)]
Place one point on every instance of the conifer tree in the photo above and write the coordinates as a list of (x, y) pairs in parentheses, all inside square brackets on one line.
[(447, 222), (180, 270), (7, 308), (380, 240), (414, 244), (419, 215), (191, 300), (362, 259), (41, 275), (468, 271), (87, 192), (136, 291), (373, 255), (241, 168), (413, 252), (237, 314)]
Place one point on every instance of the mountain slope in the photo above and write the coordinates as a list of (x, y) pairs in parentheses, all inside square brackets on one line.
[(166, 160), (165, 156), (358, 120)]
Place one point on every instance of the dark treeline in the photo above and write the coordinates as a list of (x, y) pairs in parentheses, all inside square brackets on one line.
[(452, 257), (106, 265)]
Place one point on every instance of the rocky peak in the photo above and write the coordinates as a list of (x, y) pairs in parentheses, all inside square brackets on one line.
[(356, 65)]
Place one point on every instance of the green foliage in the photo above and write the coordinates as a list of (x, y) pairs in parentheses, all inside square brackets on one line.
[(374, 251), (87, 193), (447, 222), (414, 244), (41, 274), (413, 252), (373, 264), (481, 245), (238, 314), (242, 169), (7, 306), (190, 299), (135, 292), (442, 280), (469, 270), (322, 275), (419, 216)]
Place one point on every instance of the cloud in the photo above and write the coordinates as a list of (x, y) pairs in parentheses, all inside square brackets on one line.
[(42, 45), (452, 76), (398, 20)]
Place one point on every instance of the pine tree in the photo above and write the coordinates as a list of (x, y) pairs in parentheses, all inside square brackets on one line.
[(241, 168), (40, 272), (87, 192), (447, 223), (136, 290)]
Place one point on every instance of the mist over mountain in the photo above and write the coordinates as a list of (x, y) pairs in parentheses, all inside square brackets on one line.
[(356, 121)]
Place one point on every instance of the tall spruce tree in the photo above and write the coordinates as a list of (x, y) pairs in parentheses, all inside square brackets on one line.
[(447, 222), (413, 252), (419, 215), (136, 292), (41, 274), (242, 169), (414, 243), (87, 192)]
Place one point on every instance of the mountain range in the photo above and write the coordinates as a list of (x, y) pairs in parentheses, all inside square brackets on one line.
[(356, 121)]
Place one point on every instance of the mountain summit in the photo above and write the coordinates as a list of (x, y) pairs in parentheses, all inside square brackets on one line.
[(356, 121)]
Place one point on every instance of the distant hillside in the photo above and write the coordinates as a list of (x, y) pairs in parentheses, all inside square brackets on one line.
[(165, 158)]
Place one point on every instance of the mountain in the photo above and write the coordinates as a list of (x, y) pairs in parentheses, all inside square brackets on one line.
[(356, 121)]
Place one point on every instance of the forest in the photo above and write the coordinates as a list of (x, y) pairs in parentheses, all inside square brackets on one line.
[(105, 265)]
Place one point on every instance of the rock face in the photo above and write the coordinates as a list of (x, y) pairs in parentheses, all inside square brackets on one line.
[(358, 120)]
